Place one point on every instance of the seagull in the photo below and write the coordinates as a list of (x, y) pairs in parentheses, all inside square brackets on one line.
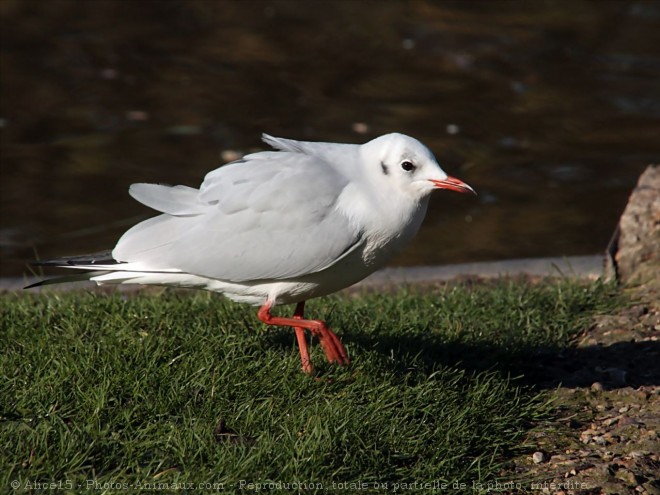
[(279, 227)]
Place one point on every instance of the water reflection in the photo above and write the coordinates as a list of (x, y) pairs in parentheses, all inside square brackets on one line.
[(550, 109)]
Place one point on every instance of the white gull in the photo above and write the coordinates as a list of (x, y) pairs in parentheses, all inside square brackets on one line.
[(280, 227)]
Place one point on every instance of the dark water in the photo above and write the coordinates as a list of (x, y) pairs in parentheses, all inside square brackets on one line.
[(549, 109)]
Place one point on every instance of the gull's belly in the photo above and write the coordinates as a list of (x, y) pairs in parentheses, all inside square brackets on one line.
[(345, 273), (355, 267)]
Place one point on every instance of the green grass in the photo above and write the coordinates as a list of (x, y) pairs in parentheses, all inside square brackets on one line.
[(130, 388)]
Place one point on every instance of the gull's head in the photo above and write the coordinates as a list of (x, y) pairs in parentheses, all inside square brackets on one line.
[(407, 166)]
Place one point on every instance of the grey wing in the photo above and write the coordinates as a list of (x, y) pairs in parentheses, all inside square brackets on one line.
[(270, 216)]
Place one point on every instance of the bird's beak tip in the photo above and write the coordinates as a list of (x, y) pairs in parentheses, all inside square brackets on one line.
[(453, 184)]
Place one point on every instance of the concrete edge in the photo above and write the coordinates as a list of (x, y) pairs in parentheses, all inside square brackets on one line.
[(590, 267)]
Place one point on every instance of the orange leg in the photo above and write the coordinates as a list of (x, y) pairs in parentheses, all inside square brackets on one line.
[(334, 350), (298, 314)]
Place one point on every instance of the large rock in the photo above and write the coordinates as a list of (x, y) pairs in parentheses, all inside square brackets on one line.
[(636, 252)]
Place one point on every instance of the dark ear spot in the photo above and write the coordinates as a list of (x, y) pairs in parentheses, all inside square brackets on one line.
[(384, 168)]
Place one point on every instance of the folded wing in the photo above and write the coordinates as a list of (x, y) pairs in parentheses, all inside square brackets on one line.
[(272, 215)]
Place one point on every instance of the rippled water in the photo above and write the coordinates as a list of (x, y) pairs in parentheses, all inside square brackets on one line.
[(549, 109)]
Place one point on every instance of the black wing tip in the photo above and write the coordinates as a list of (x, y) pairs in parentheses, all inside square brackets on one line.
[(36, 284), (102, 258), (78, 277)]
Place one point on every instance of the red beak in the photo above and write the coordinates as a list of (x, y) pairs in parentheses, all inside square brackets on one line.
[(453, 184)]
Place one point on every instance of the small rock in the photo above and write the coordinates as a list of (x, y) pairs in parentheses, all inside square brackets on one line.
[(611, 421), (599, 440), (597, 386), (609, 438), (627, 420), (539, 457), (627, 476)]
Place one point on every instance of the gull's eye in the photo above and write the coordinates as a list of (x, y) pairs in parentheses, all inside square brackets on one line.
[(408, 166)]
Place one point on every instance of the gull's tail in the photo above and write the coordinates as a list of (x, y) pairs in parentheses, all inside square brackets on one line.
[(103, 268), (85, 262)]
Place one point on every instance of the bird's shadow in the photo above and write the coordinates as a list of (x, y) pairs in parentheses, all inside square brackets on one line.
[(618, 365)]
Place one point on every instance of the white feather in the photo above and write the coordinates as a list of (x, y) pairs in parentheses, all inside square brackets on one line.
[(173, 200)]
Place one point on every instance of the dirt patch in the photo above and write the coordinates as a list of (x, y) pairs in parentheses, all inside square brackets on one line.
[(606, 438)]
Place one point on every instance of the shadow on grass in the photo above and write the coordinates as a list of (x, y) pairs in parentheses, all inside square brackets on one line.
[(622, 364)]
